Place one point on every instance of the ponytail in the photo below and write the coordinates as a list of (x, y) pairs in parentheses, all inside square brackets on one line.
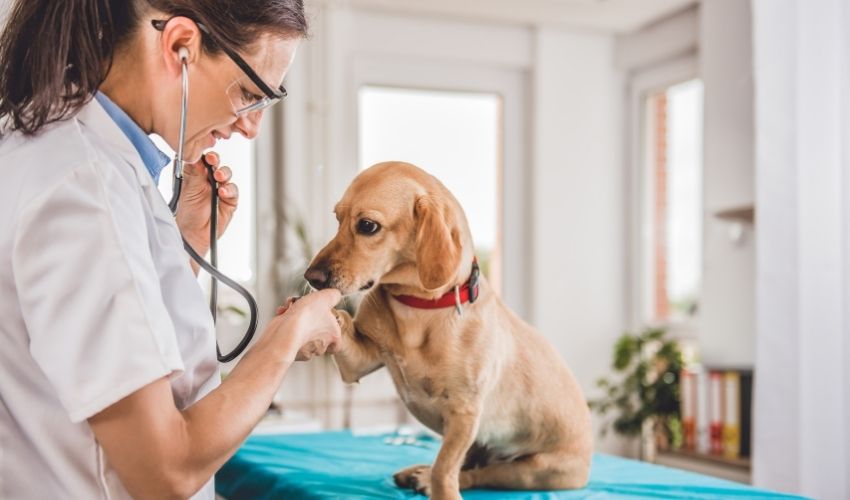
[(54, 54)]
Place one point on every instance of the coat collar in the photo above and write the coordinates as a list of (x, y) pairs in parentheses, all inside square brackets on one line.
[(95, 118), (153, 159)]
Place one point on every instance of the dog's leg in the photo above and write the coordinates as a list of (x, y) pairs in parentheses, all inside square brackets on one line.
[(541, 471), (442, 480), (357, 356), (459, 430)]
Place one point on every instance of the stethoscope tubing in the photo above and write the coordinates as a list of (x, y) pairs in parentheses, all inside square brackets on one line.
[(212, 266)]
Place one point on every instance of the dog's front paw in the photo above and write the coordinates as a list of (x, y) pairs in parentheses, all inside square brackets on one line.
[(417, 478), (446, 495), (346, 323)]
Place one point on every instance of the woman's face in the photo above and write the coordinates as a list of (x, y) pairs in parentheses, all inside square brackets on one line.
[(217, 87)]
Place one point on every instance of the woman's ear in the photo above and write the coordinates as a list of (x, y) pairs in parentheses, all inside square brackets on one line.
[(438, 247), (181, 38)]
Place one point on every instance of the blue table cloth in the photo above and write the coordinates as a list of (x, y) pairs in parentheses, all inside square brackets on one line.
[(340, 465)]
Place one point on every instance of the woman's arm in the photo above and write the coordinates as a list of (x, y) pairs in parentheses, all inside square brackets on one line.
[(162, 452)]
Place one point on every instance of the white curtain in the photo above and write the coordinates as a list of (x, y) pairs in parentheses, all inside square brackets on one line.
[(802, 393)]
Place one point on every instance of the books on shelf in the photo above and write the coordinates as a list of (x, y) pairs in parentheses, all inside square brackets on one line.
[(731, 415), (687, 408), (746, 412), (702, 413), (715, 406), (716, 411)]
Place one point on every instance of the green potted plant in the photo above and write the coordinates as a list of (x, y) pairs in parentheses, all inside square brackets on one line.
[(643, 394)]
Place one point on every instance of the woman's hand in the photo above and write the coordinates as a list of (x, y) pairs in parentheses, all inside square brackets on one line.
[(309, 327), (193, 209)]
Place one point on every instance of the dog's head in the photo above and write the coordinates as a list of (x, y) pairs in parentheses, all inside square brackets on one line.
[(399, 226)]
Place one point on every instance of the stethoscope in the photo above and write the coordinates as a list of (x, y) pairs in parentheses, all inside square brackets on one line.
[(212, 266)]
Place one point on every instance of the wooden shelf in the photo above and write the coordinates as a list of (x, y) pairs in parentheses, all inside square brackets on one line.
[(735, 469), (742, 463), (744, 213)]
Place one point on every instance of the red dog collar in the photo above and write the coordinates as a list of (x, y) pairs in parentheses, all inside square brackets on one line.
[(467, 293)]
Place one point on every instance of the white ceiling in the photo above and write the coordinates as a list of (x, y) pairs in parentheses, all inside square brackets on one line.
[(612, 16)]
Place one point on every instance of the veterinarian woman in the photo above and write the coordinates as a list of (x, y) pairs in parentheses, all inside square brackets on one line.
[(110, 386)]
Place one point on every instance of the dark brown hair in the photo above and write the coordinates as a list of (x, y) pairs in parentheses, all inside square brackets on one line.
[(54, 54)]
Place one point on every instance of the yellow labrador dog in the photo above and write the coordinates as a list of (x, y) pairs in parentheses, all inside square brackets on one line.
[(510, 411)]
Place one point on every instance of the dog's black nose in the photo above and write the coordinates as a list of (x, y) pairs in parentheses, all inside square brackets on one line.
[(318, 276)]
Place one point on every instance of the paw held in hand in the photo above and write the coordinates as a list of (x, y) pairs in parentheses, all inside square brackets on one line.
[(310, 350)]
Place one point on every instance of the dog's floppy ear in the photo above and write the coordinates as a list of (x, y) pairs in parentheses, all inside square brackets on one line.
[(438, 246)]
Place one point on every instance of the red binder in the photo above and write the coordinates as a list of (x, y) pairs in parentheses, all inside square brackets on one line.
[(687, 380), (715, 422)]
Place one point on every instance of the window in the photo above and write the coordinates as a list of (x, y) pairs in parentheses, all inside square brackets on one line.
[(456, 137), (236, 248), (673, 212)]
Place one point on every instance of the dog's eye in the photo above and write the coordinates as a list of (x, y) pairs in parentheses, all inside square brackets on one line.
[(366, 226)]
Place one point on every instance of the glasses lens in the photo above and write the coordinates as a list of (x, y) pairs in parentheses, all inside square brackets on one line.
[(243, 100)]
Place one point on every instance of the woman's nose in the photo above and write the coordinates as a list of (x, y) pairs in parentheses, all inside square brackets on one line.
[(249, 124)]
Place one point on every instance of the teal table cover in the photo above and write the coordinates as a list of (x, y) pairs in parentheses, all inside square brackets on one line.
[(340, 465)]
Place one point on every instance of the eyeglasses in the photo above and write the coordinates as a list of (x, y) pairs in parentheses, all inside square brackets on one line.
[(243, 101)]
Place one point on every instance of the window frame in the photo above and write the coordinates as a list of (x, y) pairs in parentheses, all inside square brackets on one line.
[(642, 85)]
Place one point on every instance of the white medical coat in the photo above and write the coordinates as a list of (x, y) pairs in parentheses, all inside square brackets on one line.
[(97, 300)]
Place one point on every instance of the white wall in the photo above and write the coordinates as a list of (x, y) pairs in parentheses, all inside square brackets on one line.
[(5, 5), (658, 43), (578, 238), (727, 324), (802, 392)]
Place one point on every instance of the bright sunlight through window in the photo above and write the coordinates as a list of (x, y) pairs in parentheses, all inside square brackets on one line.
[(455, 136), (674, 180)]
